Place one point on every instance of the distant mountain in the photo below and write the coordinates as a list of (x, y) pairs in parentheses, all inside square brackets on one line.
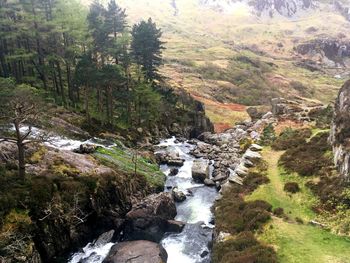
[(287, 8), (224, 52)]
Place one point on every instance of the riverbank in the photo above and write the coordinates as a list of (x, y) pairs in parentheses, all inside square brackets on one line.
[(295, 193)]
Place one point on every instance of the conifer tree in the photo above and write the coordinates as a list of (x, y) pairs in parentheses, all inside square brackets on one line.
[(147, 48)]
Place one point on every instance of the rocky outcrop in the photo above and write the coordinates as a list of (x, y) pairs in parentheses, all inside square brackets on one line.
[(148, 219), (73, 198), (297, 109), (332, 52), (342, 9), (287, 8), (340, 132), (140, 251)]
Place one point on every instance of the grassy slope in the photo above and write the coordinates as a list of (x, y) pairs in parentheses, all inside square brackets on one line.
[(296, 243), (124, 161)]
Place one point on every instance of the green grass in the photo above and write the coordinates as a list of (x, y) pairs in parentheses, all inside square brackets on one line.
[(294, 205), (123, 159), (296, 243)]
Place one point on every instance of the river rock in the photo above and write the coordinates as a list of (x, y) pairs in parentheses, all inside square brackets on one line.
[(148, 219), (200, 170), (220, 177), (178, 195), (209, 182), (175, 226), (140, 251), (173, 171), (86, 148), (170, 158)]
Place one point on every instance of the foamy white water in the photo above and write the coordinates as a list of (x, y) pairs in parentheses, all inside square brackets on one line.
[(92, 254)]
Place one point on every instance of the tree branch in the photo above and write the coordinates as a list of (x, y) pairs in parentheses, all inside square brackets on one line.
[(11, 140)]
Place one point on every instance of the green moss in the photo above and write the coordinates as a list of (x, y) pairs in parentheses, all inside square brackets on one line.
[(38, 155), (124, 160)]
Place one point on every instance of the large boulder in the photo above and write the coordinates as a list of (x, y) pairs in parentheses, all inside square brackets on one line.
[(140, 251), (148, 219), (200, 170)]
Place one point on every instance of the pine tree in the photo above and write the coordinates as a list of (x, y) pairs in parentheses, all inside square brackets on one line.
[(115, 25), (147, 48)]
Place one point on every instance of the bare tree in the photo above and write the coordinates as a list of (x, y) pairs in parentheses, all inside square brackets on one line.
[(21, 111)]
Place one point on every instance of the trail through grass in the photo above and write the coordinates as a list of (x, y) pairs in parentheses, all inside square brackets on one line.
[(294, 242)]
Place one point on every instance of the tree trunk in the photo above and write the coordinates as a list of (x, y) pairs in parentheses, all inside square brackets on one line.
[(21, 155), (87, 104), (21, 160), (59, 71)]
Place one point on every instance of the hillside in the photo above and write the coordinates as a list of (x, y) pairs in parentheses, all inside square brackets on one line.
[(246, 52)]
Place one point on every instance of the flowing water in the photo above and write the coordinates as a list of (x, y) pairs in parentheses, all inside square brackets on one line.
[(189, 246), (192, 244)]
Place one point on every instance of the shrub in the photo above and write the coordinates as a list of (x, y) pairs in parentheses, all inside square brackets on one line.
[(290, 138), (299, 220), (243, 248), (278, 211), (309, 158), (291, 187), (323, 117), (268, 135)]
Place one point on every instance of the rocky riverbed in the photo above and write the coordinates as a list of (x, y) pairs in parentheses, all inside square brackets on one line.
[(178, 224)]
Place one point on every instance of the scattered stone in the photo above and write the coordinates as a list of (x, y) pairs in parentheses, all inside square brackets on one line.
[(204, 254), (222, 236), (209, 182), (178, 195), (241, 171), (256, 148), (220, 177), (318, 224), (189, 192), (173, 171), (247, 163), (252, 156), (176, 162)]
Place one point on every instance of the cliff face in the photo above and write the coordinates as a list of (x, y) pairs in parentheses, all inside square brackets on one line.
[(340, 132)]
